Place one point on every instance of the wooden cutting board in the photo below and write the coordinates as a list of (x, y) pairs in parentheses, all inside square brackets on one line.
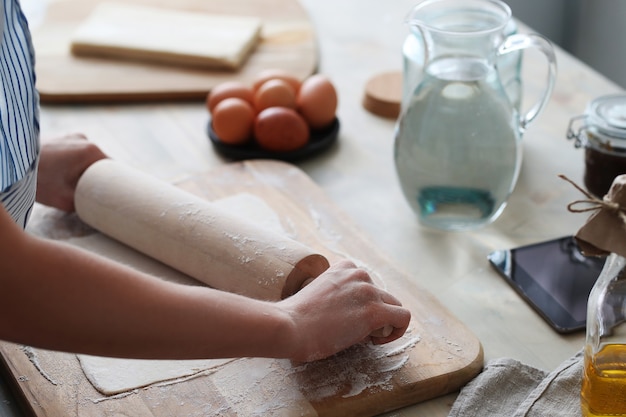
[(288, 42), (362, 381)]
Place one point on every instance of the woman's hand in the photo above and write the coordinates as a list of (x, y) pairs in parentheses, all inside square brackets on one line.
[(340, 308), (62, 162)]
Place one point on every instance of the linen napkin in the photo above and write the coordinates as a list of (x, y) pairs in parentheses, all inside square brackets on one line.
[(509, 388)]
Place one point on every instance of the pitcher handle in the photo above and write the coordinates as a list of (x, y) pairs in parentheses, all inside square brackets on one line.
[(520, 42)]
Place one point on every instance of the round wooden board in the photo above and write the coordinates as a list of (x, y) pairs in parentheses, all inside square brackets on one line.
[(288, 42), (383, 94)]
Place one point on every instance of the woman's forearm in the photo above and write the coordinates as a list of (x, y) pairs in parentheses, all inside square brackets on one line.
[(56, 296), (60, 297)]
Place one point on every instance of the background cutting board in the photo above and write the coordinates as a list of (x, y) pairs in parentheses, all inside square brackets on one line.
[(288, 42), (353, 383)]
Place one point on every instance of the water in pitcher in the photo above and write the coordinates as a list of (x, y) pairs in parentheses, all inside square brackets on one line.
[(458, 139), (457, 147)]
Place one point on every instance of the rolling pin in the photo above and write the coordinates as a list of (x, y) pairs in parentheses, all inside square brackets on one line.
[(191, 235)]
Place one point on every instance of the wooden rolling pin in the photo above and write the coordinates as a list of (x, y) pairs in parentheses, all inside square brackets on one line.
[(191, 235)]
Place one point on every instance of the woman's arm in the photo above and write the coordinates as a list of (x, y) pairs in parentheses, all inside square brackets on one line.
[(56, 296), (60, 297)]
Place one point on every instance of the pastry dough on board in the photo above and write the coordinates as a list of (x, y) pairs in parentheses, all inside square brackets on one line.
[(167, 36), (114, 375)]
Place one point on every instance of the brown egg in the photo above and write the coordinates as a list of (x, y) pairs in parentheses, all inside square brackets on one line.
[(280, 129), (276, 74), (233, 120), (274, 93), (317, 101), (228, 89)]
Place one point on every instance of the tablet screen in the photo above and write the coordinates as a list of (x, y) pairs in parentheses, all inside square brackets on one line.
[(554, 277)]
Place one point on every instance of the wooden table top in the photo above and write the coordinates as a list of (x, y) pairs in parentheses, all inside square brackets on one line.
[(358, 39)]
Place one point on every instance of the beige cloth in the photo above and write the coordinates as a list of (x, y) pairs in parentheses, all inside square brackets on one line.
[(508, 388)]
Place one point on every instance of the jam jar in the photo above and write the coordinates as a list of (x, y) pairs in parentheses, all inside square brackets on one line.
[(602, 133)]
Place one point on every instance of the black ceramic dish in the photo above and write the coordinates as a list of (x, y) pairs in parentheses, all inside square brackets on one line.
[(320, 141)]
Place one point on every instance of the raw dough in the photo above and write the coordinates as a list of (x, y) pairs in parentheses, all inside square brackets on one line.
[(167, 36), (113, 375)]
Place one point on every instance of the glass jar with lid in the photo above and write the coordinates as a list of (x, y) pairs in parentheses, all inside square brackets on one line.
[(601, 131)]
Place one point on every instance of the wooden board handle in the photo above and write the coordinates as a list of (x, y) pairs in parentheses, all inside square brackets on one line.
[(191, 235)]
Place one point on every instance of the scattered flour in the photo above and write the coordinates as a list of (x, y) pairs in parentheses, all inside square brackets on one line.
[(31, 354), (261, 387), (362, 367)]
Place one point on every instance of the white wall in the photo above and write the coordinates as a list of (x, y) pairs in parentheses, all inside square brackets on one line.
[(600, 39), (592, 30), (543, 16)]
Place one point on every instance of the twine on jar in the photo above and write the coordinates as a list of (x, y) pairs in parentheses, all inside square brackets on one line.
[(593, 203)]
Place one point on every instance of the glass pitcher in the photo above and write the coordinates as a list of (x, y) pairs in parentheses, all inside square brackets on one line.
[(457, 143), (509, 66)]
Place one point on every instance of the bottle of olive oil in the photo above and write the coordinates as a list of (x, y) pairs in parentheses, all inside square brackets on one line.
[(603, 389)]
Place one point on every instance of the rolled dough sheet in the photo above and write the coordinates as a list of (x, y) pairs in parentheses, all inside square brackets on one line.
[(112, 376), (166, 36)]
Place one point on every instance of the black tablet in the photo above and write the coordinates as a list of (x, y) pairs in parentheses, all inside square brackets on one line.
[(554, 277)]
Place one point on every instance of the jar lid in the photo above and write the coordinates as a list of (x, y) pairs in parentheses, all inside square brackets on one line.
[(608, 115)]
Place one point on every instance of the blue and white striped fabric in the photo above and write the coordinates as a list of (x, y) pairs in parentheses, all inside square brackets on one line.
[(19, 114)]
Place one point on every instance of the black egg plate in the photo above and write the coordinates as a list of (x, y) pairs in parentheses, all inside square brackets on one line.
[(320, 140)]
